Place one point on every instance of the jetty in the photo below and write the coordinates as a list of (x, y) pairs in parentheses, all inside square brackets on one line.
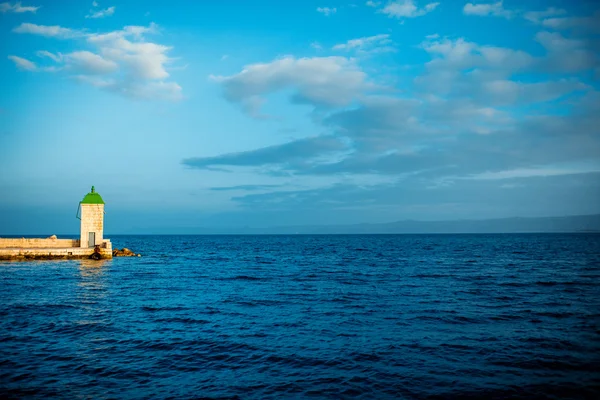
[(91, 242)]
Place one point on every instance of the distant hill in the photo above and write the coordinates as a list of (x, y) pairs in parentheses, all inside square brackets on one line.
[(580, 223)]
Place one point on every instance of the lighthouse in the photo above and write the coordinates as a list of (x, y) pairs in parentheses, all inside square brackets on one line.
[(92, 219)]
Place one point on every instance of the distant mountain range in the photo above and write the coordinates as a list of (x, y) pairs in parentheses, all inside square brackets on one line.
[(580, 223)]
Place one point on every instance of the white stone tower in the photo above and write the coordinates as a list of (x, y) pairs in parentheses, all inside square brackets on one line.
[(92, 219)]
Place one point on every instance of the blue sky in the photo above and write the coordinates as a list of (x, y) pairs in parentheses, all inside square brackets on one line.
[(271, 113)]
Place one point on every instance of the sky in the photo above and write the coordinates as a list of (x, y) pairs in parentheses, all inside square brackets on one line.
[(272, 113)]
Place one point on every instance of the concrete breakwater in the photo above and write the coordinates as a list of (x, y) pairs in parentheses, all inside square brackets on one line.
[(50, 248), (91, 242)]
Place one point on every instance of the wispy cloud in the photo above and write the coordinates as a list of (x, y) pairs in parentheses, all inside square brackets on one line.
[(585, 24), (55, 57), (48, 31), (483, 9), (376, 43), (248, 188), (407, 9), (288, 155), (23, 63), (327, 11), (538, 16), (107, 12), (7, 7)]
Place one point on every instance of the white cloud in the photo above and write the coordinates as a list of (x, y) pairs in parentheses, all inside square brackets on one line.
[(23, 63), (483, 9), (101, 13), (433, 36), (372, 3), (326, 10), (407, 9), (88, 62), (135, 31), (461, 54), (316, 46), (144, 60), (133, 66), (48, 31), (94, 4), (224, 57), (16, 8), (320, 81), (459, 67)]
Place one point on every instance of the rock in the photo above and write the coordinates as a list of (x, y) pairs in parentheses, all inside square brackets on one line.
[(125, 252), (53, 237)]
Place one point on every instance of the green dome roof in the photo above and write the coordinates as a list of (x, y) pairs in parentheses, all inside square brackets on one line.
[(92, 198)]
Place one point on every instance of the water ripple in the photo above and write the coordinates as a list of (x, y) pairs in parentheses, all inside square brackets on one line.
[(336, 317)]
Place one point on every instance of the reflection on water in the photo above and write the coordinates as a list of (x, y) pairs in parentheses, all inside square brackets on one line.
[(92, 280), (92, 266), (91, 292)]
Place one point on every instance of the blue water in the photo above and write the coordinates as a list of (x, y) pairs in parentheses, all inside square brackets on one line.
[(279, 317)]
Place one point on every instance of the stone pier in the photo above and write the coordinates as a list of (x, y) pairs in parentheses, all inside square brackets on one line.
[(91, 242)]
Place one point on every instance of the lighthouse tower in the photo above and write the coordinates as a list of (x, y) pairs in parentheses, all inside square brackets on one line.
[(92, 219)]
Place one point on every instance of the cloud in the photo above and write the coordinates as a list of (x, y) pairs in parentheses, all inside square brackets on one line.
[(472, 116), (320, 81), (413, 198), (137, 67), (249, 188), (55, 57), (285, 156), (566, 55), (16, 8), (326, 11), (23, 63), (101, 13), (538, 16), (94, 4), (586, 24), (91, 63), (407, 9), (493, 9), (452, 57), (143, 60), (48, 31), (372, 3), (475, 120), (507, 92), (377, 43)]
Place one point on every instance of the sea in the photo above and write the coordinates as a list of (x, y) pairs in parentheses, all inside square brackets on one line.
[(308, 316)]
